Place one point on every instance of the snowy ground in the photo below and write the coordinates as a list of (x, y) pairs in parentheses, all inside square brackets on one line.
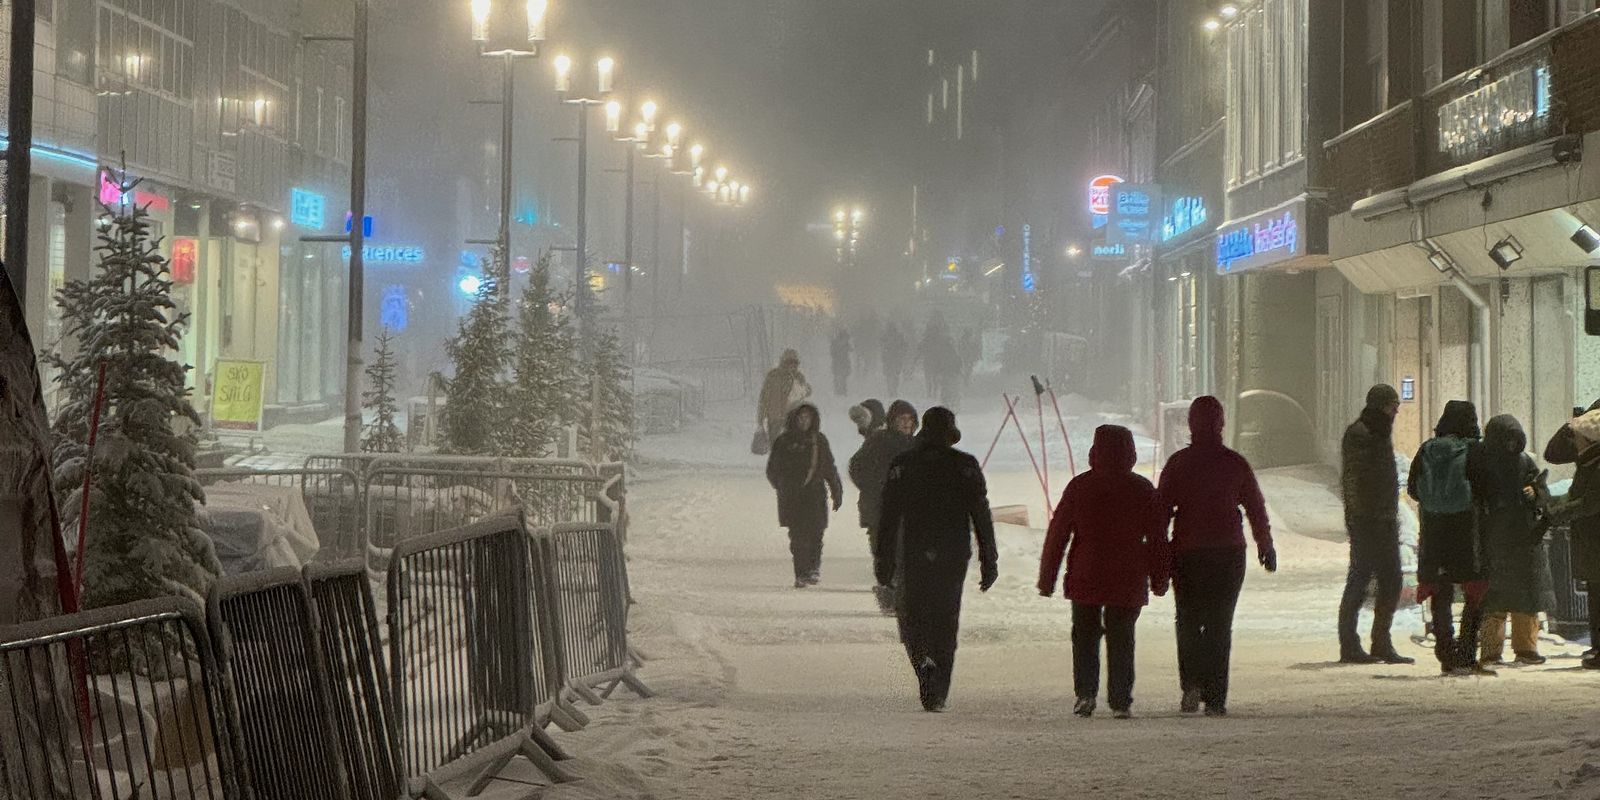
[(766, 691)]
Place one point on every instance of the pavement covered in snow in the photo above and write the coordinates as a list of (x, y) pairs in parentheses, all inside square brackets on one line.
[(768, 691)]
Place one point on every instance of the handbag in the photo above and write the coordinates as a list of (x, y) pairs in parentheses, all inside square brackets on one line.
[(759, 444)]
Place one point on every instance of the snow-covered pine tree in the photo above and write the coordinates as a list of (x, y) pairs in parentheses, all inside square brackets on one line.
[(383, 435), (475, 396), (608, 420), (544, 370), (144, 537)]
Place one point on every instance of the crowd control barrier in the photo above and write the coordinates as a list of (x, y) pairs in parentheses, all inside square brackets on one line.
[(333, 499), (587, 571), (352, 648)]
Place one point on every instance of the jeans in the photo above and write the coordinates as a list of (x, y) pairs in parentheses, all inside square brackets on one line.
[(1115, 624), (1450, 651), (1206, 585), (1371, 557), (805, 545)]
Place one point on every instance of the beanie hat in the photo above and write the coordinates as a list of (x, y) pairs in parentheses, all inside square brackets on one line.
[(939, 425), (1382, 396)]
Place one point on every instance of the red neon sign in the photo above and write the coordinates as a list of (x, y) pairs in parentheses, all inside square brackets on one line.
[(185, 256), (112, 195), (1100, 194)]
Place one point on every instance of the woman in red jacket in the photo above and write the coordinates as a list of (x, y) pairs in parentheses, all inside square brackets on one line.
[(1108, 517)]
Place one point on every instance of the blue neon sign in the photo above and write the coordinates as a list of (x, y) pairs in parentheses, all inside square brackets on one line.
[(1109, 251), (389, 254), (1029, 283), (1184, 214), (307, 209), (1255, 244)]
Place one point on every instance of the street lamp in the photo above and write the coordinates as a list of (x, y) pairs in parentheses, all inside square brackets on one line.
[(605, 76), (497, 31)]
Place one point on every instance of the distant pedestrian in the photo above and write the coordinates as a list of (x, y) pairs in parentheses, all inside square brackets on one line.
[(1508, 490), (940, 362), (1448, 550), (784, 388), (937, 499), (894, 357), (1202, 489), (840, 350), (802, 471), (1107, 517), (971, 352), (869, 471), (868, 338), (1579, 508), (1370, 485)]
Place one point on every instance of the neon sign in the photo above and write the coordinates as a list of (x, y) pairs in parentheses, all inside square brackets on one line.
[(1257, 244), (389, 254), (1100, 198), (185, 255), (307, 209), (1109, 251), (1133, 213), (1029, 282), (111, 195), (1184, 214)]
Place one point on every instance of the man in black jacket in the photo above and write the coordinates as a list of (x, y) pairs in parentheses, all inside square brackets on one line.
[(936, 497), (1371, 488), (869, 471)]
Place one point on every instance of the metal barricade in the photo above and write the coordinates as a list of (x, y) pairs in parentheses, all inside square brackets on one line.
[(403, 502), (589, 579), (114, 703), (1570, 615), (467, 652), (353, 651), (276, 685), (332, 496)]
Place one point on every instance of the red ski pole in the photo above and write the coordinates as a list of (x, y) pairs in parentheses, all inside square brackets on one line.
[(1044, 451), (998, 433), (1023, 435), (1072, 462)]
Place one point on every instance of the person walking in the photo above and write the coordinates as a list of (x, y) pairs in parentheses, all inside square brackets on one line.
[(1579, 509), (869, 417), (869, 471), (1370, 485), (1448, 553), (894, 357), (785, 387), (937, 352), (840, 350), (936, 498), (1201, 491), (1508, 490), (971, 350), (1117, 556), (802, 470)]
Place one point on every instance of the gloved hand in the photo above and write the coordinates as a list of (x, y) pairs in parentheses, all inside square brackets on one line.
[(838, 501), (1269, 559), (987, 576)]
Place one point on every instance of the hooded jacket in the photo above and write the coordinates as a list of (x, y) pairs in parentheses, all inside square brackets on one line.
[(1499, 471), (1448, 548), (869, 467), (1368, 480), (1107, 516), (802, 470), (783, 383), (1204, 485), (1580, 507), (1563, 447)]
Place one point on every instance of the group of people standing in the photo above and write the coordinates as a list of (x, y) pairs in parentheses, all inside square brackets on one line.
[(947, 362), (1485, 508)]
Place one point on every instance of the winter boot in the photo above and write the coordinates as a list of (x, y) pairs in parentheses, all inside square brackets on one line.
[(1084, 707), (1532, 659), (1217, 710), (1190, 703), (1592, 662), (813, 578), (1356, 656), (885, 597), (1391, 657), (1122, 713), (927, 681)]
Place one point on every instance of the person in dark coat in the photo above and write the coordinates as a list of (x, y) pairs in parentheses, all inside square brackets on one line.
[(1562, 449), (840, 350), (941, 364), (869, 470), (1448, 551), (1107, 516), (1509, 492), (1580, 510), (1202, 488), (971, 353), (869, 417), (936, 497), (1371, 489), (894, 356), (802, 470)]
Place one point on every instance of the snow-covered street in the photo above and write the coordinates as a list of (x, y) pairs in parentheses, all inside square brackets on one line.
[(768, 691)]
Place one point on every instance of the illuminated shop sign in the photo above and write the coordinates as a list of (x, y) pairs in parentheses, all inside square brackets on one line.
[(1134, 208), (1029, 282), (1261, 241), (1100, 198), (1510, 109), (307, 209), (389, 254), (1184, 214), (185, 256), (1109, 251), (111, 195)]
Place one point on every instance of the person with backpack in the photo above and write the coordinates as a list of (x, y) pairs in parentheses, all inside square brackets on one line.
[(1116, 559), (1509, 492), (1448, 551), (802, 471)]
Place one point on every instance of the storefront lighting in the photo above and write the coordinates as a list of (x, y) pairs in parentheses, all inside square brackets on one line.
[(277, 223), (1440, 261), (470, 285), (1229, 11), (1506, 252), (1212, 25), (1586, 239)]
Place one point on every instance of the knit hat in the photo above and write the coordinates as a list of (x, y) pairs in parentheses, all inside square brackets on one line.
[(861, 417), (875, 411), (1382, 396), (939, 425)]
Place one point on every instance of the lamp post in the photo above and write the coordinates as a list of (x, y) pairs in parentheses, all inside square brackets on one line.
[(492, 32), (605, 74)]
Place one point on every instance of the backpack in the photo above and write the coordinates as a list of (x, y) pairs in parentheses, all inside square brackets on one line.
[(1442, 485)]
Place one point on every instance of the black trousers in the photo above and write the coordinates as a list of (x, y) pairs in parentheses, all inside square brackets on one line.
[(805, 545), (1373, 556), (1114, 624), (1592, 588), (930, 619), (1206, 585), (1447, 647)]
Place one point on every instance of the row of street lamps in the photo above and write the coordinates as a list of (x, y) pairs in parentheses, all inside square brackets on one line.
[(498, 36)]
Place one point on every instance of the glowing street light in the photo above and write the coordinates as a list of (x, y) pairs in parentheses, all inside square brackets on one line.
[(537, 11), (613, 117), (1229, 11), (1212, 25), (480, 20), (674, 134), (695, 153), (563, 65), (606, 69), (647, 112)]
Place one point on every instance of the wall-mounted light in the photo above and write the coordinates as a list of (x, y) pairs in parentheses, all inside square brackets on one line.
[(1506, 252), (1441, 261), (1586, 239)]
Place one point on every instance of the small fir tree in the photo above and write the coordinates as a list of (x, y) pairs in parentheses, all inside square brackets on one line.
[(544, 370), (475, 402), (383, 435), (144, 537), (608, 419)]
